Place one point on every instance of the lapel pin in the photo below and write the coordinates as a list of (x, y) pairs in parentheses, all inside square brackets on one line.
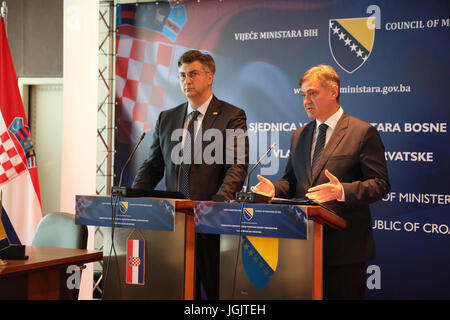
[(215, 113)]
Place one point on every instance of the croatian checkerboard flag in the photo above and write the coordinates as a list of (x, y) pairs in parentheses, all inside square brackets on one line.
[(18, 172), (145, 52), (135, 273)]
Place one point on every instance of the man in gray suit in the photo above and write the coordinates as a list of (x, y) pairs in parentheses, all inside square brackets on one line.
[(337, 160), (205, 161)]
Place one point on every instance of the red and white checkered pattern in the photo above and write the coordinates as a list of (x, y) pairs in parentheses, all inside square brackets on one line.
[(142, 75), (202, 208), (135, 262), (11, 163)]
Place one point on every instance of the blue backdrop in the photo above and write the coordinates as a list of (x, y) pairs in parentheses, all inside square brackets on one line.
[(393, 59)]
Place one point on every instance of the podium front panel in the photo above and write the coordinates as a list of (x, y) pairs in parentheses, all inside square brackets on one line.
[(164, 263), (293, 278)]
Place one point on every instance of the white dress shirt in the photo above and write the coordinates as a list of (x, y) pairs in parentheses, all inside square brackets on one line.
[(331, 123), (202, 109)]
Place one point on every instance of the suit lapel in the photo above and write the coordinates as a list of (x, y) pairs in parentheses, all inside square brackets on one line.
[(180, 118), (303, 149), (177, 121), (338, 133), (209, 119), (211, 115)]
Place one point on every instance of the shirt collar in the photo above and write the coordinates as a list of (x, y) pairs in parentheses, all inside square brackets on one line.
[(202, 109), (333, 120)]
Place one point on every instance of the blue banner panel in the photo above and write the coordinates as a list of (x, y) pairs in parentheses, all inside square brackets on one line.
[(251, 219), (132, 213)]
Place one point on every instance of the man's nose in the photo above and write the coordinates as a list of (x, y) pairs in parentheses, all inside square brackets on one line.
[(306, 100)]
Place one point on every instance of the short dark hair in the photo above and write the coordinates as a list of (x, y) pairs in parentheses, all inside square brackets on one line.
[(194, 55)]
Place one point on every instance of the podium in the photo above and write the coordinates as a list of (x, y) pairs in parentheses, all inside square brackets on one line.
[(299, 233), (168, 227)]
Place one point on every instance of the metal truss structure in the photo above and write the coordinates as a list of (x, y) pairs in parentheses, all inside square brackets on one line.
[(105, 118)]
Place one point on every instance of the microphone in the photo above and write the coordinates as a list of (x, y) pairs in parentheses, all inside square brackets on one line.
[(253, 197), (119, 190)]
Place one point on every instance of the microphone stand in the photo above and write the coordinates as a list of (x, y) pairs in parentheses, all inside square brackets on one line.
[(116, 192), (253, 197), (119, 190), (243, 198)]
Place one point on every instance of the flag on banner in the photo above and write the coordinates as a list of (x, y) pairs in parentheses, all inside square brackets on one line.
[(260, 259), (18, 172), (135, 273)]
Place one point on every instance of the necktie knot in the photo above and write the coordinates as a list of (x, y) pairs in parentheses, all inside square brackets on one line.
[(323, 128), (191, 124), (194, 115)]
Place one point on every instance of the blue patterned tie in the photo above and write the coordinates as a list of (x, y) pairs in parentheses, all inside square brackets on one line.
[(320, 143), (188, 149)]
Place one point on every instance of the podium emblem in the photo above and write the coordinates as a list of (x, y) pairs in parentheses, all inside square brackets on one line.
[(123, 206), (248, 214)]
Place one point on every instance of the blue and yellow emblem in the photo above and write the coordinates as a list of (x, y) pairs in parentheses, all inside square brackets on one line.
[(260, 259), (248, 214), (123, 206), (351, 41)]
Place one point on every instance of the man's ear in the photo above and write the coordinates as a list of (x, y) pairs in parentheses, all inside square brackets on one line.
[(210, 78), (334, 90)]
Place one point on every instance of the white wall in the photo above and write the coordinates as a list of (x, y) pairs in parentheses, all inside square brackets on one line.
[(46, 127), (79, 144)]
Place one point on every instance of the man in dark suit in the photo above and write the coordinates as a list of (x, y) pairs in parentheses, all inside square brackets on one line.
[(342, 166), (207, 160)]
